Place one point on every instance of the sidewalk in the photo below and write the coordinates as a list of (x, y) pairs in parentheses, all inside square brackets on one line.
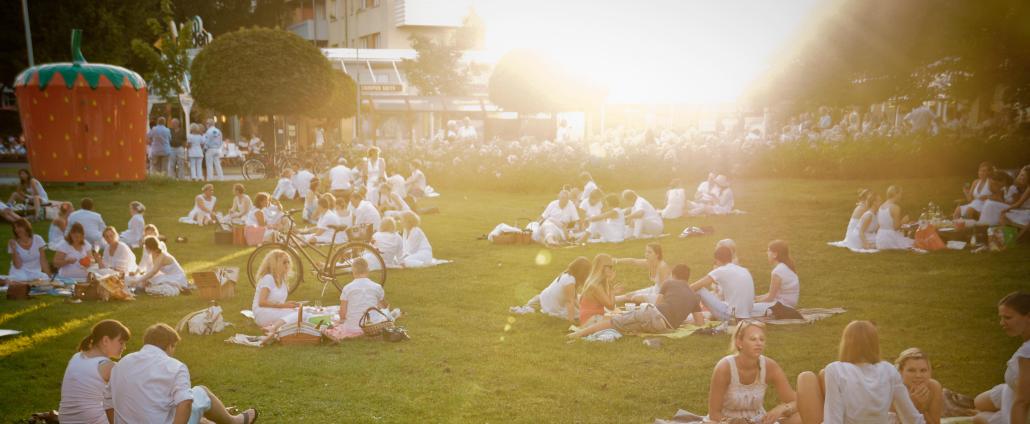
[(9, 173)]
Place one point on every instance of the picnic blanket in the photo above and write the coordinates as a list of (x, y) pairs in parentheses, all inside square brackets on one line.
[(683, 331), (811, 315)]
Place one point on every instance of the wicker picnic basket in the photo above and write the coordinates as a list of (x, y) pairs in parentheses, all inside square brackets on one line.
[(374, 329)]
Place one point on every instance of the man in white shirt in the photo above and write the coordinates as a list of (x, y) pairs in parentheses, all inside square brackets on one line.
[(588, 185), (213, 151), (284, 188), (738, 288), (92, 223), (356, 297), (149, 386), (363, 212), (643, 218), (302, 181), (560, 212), (340, 176), (468, 132), (921, 119)]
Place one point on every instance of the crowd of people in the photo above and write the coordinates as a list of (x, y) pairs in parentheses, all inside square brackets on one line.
[(995, 198), (176, 153)]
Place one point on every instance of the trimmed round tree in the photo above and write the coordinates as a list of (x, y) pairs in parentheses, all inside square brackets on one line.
[(261, 71), (342, 100)]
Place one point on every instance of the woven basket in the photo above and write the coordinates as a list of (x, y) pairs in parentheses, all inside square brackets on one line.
[(376, 329)]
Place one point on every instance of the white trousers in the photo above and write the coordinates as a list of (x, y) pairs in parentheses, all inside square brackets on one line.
[(214, 164)]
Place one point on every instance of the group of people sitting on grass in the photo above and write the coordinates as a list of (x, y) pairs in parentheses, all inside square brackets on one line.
[(586, 292), (995, 198), (83, 243), (272, 310), (713, 196), (384, 208)]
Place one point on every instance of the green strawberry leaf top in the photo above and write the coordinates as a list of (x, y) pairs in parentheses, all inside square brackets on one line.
[(90, 72)]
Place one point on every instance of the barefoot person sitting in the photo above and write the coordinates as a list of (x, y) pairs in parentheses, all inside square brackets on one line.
[(84, 387), (356, 298), (559, 298), (729, 397), (675, 302), (150, 386), (858, 388)]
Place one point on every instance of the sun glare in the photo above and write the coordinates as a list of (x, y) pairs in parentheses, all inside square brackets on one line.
[(651, 52)]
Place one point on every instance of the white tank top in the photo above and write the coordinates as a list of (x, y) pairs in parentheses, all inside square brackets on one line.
[(82, 391), (744, 401)]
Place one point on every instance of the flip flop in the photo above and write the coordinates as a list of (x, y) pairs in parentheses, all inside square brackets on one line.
[(247, 419)]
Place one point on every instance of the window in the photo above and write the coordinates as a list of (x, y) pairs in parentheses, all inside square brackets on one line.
[(369, 4), (370, 41)]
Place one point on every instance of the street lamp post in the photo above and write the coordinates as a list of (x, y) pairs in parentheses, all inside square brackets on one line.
[(28, 31)]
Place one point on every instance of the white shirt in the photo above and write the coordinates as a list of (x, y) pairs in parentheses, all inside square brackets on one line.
[(649, 211), (30, 260), (276, 294), (123, 259), (365, 213), (147, 385), (360, 295), (284, 188), (84, 395), (588, 188), (390, 246), (340, 177), (863, 394), (74, 269), (134, 235), (738, 288), (91, 222), (302, 182), (560, 216), (416, 243), (790, 286)]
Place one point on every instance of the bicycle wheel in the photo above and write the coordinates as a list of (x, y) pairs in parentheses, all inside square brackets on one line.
[(343, 258), (294, 276), (254, 169)]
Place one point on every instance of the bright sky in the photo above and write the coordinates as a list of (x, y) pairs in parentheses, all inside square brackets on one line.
[(653, 51)]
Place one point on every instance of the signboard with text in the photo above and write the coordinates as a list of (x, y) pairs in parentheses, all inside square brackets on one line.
[(382, 88)]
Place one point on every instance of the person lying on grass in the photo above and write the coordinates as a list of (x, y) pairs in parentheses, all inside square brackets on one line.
[(675, 302)]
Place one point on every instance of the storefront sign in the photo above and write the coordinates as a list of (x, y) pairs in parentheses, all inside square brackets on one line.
[(382, 88)]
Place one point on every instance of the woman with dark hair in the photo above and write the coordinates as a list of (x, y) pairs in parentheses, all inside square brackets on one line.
[(858, 387), (28, 254), (74, 255), (784, 286), (852, 234), (85, 381), (559, 298), (165, 277), (241, 203), (1009, 402), (976, 192), (657, 271), (30, 190)]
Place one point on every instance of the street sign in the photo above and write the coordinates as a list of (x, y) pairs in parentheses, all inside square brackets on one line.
[(186, 101)]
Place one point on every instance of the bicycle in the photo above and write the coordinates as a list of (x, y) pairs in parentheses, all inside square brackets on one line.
[(335, 263), (265, 165)]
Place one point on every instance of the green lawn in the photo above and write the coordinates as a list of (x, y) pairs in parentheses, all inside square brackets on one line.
[(469, 360)]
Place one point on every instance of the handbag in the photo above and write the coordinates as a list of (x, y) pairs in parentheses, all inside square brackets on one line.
[(927, 238), (18, 291), (395, 334), (374, 329), (781, 311)]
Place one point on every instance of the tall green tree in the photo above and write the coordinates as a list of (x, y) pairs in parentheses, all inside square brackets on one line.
[(343, 99), (261, 71), (168, 58), (225, 16)]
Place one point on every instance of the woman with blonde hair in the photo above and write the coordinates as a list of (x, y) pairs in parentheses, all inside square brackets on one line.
[(858, 387), (926, 393), (270, 307), (195, 153), (389, 244), (417, 250), (203, 212), (851, 235), (559, 298), (133, 236), (889, 219), (729, 397), (598, 292)]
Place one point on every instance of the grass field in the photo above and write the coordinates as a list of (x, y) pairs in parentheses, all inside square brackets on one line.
[(469, 360)]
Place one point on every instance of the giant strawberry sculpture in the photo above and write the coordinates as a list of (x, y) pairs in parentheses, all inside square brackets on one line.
[(83, 121)]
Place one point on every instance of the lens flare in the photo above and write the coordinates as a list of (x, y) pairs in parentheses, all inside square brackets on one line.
[(543, 257)]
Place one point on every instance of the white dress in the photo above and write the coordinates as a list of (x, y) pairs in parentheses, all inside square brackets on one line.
[(83, 391), (266, 316), (590, 211), (31, 268), (1021, 215), (146, 262), (169, 280), (887, 237), (552, 298), (390, 247), (613, 230), (133, 236), (74, 270), (864, 394), (417, 250), (123, 259), (849, 235), (675, 200), (197, 216), (982, 188), (790, 290), (376, 170), (55, 236), (724, 204), (1007, 391), (744, 400)]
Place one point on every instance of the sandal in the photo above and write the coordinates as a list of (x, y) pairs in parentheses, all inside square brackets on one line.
[(248, 419)]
